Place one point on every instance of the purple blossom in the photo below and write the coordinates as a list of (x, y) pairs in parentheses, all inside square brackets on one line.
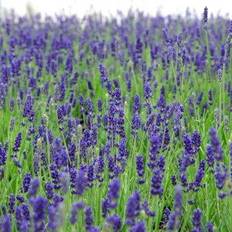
[(11, 203), (147, 90), (88, 218), (5, 223), (54, 219), (209, 227), (136, 123), (205, 15), (220, 175), (138, 227), (133, 208), (148, 212), (210, 155), (216, 146), (49, 190), (17, 143), (115, 222), (110, 202), (136, 104), (3, 155), (196, 220), (174, 217), (28, 109), (75, 208), (78, 181), (140, 168), (39, 205), (155, 143), (26, 182), (34, 186), (156, 182)]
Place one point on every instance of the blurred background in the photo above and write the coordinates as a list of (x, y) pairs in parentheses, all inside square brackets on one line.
[(110, 7)]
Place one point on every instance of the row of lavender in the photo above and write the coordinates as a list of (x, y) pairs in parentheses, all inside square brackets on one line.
[(118, 124)]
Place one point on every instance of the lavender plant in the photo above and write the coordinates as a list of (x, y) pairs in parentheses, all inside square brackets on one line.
[(115, 124)]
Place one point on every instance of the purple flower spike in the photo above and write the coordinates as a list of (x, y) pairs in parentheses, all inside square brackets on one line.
[(220, 175), (34, 187), (196, 220), (173, 221), (138, 227), (205, 15), (5, 223), (133, 208), (115, 222), (110, 202), (2, 155), (75, 208), (140, 168), (17, 142), (39, 205)]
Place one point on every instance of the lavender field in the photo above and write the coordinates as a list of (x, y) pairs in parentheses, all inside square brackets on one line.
[(116, 124)]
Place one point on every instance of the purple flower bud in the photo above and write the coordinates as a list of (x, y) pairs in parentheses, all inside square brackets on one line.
[(49, 190), (147, 210), (55, 175), (132, 208), (54, 220), (199, 175), (75, 208), (140, 168), (205, 15), (17, 142), (28, 109), (111, 200), (178, 199), (196, 141), (5, 223), (71, 151), (34, 186), (210, 155), (39, 205), (138, 227), (216, 146), (11, 203), (20, 198), (90, 174), (115, 222), (103, 74), (64, 182), (21, 221), (173, 221), (78, 181), (57, 199), (155, 143), (99, 105), (196, 220), (147, 90), (26, 182), (209, 227), (88, 218), (137, 104), (2, 155), (25, 212), (122, 150), (220, 175), (156, 182), (114, 188), (135, 123)]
